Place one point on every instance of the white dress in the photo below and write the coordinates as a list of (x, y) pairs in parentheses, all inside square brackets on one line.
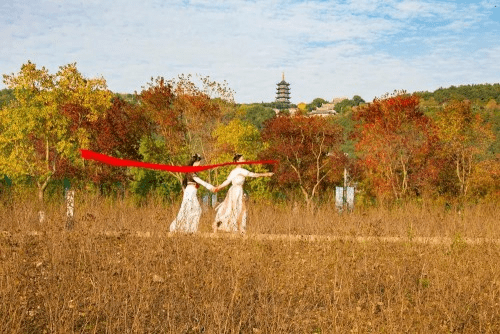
[(232, 212), (188, 218)]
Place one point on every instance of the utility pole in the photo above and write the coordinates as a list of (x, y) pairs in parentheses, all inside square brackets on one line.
[(341, 193), (345, 182)]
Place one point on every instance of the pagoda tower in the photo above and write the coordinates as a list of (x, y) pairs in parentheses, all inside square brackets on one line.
[(283, 93)]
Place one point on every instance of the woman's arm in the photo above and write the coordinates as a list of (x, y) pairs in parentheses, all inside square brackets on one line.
[(247, 173), (203, 183), (251, 174), (222, 185), (226, 182)]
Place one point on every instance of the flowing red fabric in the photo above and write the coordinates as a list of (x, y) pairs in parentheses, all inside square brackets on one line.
[(91, 155)]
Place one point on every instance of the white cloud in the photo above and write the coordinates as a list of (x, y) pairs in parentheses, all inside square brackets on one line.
[(326, 48)]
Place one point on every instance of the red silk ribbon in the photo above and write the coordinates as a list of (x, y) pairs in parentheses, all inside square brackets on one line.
[(91, 155)]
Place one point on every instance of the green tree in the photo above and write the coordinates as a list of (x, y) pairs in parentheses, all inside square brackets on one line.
[(6, 95), (317, 102), (479, 94), (491, 117), (145, 181), (347, 104), (342, 106), (357, 100), (346, 121), (258, 115)]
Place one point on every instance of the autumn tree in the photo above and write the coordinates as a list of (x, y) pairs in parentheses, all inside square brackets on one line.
[(395, 145), (183, 114), (237, 137), (117, 132), (199, 103), (464, 141), (34, 132), (244, 138), (485, 179), (164, 142), (308, 151)]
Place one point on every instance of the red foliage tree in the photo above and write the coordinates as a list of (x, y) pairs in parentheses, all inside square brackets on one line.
[(308, 149), (395, 145), (183, 118), (157, 102), (117, 133)]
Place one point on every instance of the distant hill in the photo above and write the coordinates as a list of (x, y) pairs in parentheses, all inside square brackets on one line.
[(479, 94)]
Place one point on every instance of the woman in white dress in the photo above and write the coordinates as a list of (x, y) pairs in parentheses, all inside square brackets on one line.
[(188, 218), (231, 214)]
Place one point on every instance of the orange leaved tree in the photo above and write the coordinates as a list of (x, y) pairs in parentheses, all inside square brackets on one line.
[(396, 143), (308, 149)]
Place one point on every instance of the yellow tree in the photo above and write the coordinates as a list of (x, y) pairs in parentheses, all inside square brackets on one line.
[(238, 137), (464, 140), (244, 138), (34, 132)]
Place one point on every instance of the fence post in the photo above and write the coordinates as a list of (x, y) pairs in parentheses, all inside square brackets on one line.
[(70, 209)]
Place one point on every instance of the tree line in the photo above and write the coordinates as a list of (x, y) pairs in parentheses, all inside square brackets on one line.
[(397, 147)]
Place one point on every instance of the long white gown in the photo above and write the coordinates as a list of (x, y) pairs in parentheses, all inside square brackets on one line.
[(231, 214), (188, 218)]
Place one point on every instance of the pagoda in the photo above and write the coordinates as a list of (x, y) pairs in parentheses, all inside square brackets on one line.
[(283, 93)]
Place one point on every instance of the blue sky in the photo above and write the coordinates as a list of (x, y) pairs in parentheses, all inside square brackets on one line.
[(326, 49)]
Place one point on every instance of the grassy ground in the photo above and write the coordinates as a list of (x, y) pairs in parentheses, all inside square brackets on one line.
[(81, 281), (95, 214)]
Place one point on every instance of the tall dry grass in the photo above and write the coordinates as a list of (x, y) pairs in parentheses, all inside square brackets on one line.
[(409, 220), (82, 281)]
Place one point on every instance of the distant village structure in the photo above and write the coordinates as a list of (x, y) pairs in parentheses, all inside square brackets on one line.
[(327, 109)]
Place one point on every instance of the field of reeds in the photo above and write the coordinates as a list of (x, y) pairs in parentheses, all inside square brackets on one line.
[(414, 268)]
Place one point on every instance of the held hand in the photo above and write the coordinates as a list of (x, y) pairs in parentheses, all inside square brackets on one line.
[(215, 190)]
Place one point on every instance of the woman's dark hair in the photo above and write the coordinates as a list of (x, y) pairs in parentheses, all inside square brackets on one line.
[(193, 159), (188, 177), (237, 157)]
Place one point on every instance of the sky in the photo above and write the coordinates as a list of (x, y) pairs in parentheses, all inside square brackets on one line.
[(325, 49)]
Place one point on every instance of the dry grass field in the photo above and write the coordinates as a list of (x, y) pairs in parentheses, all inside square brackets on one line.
[(89, 281)]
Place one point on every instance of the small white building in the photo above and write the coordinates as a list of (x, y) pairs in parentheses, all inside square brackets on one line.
[(322, 113)]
